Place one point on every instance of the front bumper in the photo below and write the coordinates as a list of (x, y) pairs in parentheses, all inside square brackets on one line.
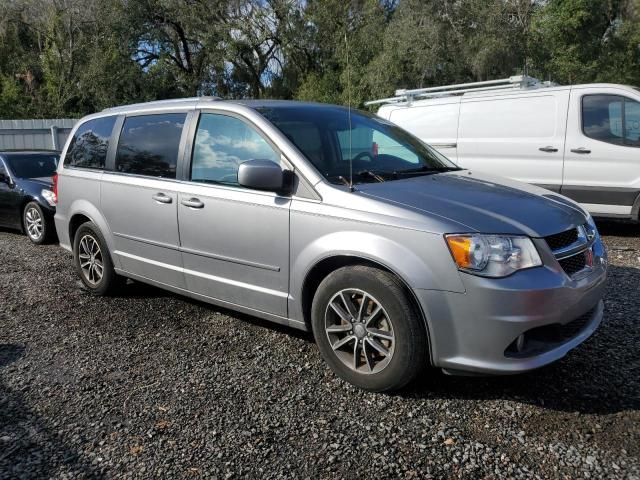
[(475, 331)]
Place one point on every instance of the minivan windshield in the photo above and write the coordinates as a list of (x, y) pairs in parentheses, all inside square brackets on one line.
[(32, 165), (376, 149)]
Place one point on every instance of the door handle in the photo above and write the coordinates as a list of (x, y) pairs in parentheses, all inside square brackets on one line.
[(162, 198), (192, 203), (549, 149), (580, 150)]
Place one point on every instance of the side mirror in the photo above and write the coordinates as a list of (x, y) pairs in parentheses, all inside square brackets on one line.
[(261, 175), (4, 178)]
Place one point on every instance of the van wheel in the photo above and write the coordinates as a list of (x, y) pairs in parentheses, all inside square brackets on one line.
[(93, 261), (367, 329), (36, 225)]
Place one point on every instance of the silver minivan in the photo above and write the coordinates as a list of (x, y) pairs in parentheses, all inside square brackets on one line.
[(334, 221)]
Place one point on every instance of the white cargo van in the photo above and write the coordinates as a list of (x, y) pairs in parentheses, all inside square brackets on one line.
[(582, 141)]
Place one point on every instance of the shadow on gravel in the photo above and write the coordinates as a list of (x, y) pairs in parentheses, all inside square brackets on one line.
[(601, 376), (26, 444), (618, 228)]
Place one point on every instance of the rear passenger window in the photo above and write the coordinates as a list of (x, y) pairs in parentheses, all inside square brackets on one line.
[(88, 147), (222, 144), (612, 119), (149, 145)]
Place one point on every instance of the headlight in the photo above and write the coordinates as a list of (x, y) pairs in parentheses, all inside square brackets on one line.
[(492, 255), (50, 197)]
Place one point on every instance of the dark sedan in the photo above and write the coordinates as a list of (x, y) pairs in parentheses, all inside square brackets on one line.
[(27, 195)]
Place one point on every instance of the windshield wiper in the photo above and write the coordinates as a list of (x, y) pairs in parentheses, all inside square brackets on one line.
[(340, 178), (425, 170), (371, 174)]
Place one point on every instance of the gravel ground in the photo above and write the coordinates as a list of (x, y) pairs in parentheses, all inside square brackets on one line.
[(149, 384)]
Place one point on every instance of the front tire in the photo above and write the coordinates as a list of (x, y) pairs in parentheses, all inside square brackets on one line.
[(93, 261), (367, 328)]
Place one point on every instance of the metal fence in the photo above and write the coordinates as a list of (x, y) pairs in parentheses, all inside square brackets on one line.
[(49, 134)]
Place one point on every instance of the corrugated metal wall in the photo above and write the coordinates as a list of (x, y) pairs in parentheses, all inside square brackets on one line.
[(47, 134)]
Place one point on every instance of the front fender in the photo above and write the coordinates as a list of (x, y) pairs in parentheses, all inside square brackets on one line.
[(420, 259)]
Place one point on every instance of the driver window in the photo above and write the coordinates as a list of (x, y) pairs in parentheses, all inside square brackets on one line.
[(632, 123), (222, 143)]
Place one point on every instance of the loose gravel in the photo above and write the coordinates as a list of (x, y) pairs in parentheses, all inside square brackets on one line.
[(151, 385)]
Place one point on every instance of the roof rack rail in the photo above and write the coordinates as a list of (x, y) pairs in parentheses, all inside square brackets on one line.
[(163, 102), (515, 82)]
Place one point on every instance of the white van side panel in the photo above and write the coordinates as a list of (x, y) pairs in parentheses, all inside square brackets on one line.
[(504, 135), (433, 123), (603, 176)]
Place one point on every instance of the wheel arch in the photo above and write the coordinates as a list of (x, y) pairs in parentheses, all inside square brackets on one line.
[(83, 211), (635, 210), (23, 204), (329, 264)]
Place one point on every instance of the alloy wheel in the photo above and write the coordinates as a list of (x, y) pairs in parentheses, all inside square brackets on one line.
[(90, 258), (360, 331), (34, 223)]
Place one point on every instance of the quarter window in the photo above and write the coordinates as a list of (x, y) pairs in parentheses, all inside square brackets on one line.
[(612, 119), (88, 147), (149, 145), (222, 143)]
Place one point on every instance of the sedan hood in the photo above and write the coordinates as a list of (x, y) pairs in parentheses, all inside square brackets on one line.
[(482, 203)]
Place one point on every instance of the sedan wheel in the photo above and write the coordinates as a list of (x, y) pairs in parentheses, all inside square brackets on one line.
[(34, 224)]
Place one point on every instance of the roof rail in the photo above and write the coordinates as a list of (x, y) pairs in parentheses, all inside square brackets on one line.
[(164, 102), (515, 82)]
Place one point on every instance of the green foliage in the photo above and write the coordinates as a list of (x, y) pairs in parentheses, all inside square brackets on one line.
[(72, 57)]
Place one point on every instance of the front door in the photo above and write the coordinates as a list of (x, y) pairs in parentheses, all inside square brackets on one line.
[(9, 201), (140, 201), (234, 241), (602, 154)]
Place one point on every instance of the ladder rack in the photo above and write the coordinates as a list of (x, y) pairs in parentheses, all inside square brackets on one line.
[(511, 83)]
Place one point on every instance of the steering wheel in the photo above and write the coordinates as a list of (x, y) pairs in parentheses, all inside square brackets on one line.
[(362, 155)]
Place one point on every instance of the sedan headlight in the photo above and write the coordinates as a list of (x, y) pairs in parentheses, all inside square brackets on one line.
[(49, 196), (492, 255)]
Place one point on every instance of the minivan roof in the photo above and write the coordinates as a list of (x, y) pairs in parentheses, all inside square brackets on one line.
[(194, 102)]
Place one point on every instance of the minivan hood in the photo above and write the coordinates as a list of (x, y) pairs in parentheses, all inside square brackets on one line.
[(482, 203)]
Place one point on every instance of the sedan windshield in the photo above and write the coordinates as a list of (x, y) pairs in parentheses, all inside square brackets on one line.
[(32, 165), (374, 149)]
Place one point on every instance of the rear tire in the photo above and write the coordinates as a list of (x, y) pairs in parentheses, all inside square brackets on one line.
[(37, 227), (367, 328), (93, 261)]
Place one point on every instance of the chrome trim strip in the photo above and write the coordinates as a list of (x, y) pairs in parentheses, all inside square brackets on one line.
[(214, 278), (570, 251), (214, 256), (443, 145), (223, 258)]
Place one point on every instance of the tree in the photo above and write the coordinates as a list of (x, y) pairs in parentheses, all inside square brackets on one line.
[(580, 41)]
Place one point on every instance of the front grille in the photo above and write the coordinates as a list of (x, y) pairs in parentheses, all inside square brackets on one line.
[(562, 239), (542, 339), (573, 242), (574, 264)]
